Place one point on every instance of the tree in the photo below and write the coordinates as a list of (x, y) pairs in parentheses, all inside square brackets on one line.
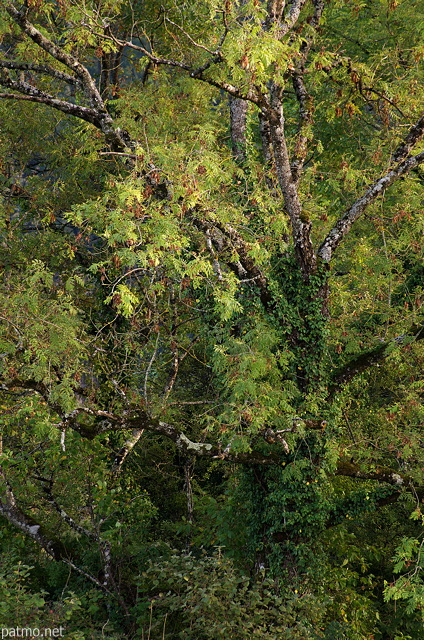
[(184, 248)]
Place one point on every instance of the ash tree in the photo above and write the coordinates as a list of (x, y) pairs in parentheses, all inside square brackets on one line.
[(211, 249)]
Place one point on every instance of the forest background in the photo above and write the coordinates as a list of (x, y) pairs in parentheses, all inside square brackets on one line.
[(211, 318)]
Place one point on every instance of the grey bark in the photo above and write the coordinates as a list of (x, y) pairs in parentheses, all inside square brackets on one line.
[(238, 117), (344, 224), (96, 114), (300, 225)]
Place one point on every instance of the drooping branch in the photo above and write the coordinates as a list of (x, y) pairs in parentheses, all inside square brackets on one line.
[(251, 94), (176, 358)]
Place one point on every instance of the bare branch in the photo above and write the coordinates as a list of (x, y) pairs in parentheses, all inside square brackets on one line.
[(343, 225), (386, 99), (41, 68), (415, 134), (188, 36), (48, 491), (125, 450), (137, 47), (97, 115), (292, 17), (35, 95), (370, 358), (87, 575), (19, 17), (385, 475), (303, 97), (253, 94)]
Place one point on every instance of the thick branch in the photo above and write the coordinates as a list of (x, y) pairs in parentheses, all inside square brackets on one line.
[(343, 225), (138, 420), (380, 474), (415, 134), (238, 114), (303, 97), (301, 226), (19, 17), (40, 68), (30, 93), (305, 119), (369, 358), (32, 528), (198, 449), (291, 18), (359, 364), (224, 236), (102, 119)]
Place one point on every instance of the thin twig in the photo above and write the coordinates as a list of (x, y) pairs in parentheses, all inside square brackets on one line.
[(149, 366)]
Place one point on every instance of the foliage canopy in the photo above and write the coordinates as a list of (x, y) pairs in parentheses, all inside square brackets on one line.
[(211, 318)]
